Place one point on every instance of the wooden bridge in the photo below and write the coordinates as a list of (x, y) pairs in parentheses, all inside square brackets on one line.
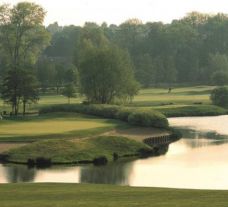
[(161, 140)]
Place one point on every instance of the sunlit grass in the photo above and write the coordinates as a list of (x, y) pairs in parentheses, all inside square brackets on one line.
[(57, 124), (87, 195)]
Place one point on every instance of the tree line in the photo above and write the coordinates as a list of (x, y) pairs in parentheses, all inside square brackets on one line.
[(192, 50), (106, 63)]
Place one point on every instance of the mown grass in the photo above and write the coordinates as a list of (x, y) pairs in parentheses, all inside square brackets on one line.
[(178, 96), (56, 125), (87, 195), (146, 97), (63, 151)]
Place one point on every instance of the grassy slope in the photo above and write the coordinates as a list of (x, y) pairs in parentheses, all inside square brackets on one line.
[(62, 151), (71, 195), (57, 125)]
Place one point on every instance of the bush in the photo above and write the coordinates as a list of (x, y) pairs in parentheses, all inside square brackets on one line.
[(219, 96), (100, 161), (123, 114), (148, 118)]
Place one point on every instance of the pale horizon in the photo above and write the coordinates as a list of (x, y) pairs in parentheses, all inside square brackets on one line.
[(77, 12)]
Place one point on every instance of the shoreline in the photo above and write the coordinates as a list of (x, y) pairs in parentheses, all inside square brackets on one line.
[(157, 149)]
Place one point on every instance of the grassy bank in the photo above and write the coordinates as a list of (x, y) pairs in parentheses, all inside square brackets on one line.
[(86, 195), (192, 110), (63, 151)]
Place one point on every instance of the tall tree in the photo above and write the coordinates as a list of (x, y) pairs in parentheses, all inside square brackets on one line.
[(106, 74), (22, 37)]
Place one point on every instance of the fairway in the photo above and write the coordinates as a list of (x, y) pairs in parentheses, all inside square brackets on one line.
[(58, 123), (71, 195), (178, 96), (151, 97)]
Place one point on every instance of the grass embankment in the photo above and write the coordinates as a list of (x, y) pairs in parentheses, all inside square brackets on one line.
[(83, 150), (87, 195), (55, 125), (200, 110)]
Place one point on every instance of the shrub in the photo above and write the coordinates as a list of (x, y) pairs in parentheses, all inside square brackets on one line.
[(219, 96), (148, 118), (123, 114), (145, 117), (100, 160)]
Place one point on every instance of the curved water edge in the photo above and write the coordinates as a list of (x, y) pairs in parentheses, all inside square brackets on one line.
[(198, 161), (158, 146)]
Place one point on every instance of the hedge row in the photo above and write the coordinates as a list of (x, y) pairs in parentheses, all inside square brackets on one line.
[(138, 117)]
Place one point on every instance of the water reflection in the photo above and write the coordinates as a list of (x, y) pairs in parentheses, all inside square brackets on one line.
[(116, 173), (199, 160), (18, 173)]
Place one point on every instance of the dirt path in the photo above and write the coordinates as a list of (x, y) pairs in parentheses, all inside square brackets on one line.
[(138, 133)]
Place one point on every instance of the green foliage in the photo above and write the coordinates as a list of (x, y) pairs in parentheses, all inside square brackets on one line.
[(106, 74), (220, 78), (19, 86), (123, 113), (23, 37), (62, 151), (69, 91), (22, 34), (148, 118), (219, 96)]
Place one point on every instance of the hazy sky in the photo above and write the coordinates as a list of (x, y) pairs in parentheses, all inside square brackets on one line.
[(116, 11)]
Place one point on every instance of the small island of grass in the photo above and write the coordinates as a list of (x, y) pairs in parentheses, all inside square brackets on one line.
[(76, 151)]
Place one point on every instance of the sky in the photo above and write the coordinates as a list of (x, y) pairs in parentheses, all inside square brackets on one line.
[(77, 12)]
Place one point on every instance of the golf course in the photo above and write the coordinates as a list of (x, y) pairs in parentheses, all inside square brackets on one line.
[(113, 103)]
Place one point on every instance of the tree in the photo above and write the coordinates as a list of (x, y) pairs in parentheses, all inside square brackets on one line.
[(26, 89), (22, 34), (219, 96), (22, 37), (29, 89), (11, 93), (105, 74), (69, 91), (220, 78)]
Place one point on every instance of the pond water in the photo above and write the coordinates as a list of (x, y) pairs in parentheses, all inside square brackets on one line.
[(198, 161)]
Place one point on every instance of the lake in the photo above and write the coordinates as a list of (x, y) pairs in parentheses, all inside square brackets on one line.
[(198, 161)]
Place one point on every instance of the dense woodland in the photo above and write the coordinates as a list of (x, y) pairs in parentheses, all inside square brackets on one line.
[(188, 51), (106, 62)]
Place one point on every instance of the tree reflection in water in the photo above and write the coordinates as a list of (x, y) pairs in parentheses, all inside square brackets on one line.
[(113, 173), (19, 173)]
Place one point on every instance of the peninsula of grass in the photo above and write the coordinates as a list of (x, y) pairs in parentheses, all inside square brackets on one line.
[(76, 151), (87, 195)]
